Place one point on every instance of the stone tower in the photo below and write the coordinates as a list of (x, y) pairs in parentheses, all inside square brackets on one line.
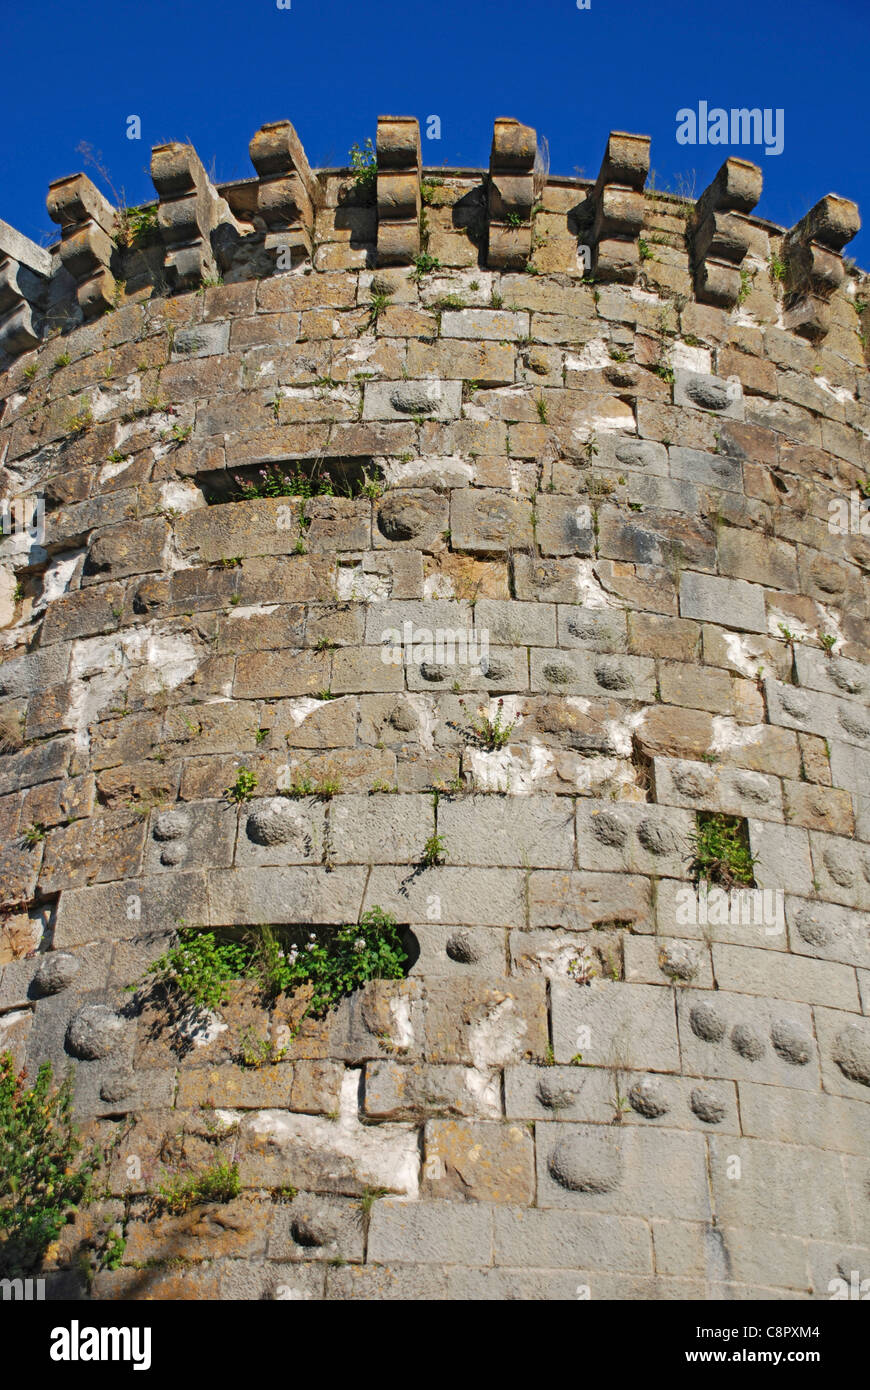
[(487, 551)]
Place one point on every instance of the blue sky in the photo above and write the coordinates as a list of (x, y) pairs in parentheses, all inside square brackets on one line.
[(212, 73)]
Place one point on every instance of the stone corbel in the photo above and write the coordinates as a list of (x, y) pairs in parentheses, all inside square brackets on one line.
[(618, 204), (87, 222), (814, 265), (399, 195), (25, 271), (721, 237), (189, 212), (288, 192), (511, 194)]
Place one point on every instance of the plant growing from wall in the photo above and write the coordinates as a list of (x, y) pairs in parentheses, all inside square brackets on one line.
[(244, 786), (279, 481), (490, 732), (46, 1171), (364, 165), (205, 969), (721, 850), (219, 1182)]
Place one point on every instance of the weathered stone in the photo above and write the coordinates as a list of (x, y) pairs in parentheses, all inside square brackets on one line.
[(94, 1032)]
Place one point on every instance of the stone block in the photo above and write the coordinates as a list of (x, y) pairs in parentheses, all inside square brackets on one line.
[(509, 832), (379, 829), (615, 1024), (408, 1091), (582, 901), (747, 1038), (432, 1232), (699, 391), (730, 602), (592, 675), (785, 976), (630, 838), (544, 1239), (281, 830), (623, 1170), (478, 897), (781, 1188), (485, 1024), (403, 400), (717, 787), (489, 522), (791, 1117), (479, 1161)]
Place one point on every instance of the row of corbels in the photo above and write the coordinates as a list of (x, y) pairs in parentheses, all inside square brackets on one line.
[(199, 231)]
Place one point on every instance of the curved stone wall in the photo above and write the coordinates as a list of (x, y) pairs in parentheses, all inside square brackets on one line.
[(590, 588)]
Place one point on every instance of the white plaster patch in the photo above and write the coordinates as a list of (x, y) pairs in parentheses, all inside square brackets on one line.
[(691, 359), (57, 578), (727, 733), (8, 1021), (589, 590), (383, 1155), (620, 731), (776, 620), (300, 709), (202, 1026), (438, 586), (114, 469), (592, 357), (443, 472), (101, 667), (498, 1036), (514, 773), (485, 1090), (353, 582), (179, 496), (401, 1028), (252, 610), (741, 654), (424, 708)]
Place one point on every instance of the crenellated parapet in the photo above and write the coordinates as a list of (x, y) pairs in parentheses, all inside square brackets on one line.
[(619, 207), (288, 192), (25, 272), (721, 234), (87, 222), (399, 198), (511, 194), (190, 211), (513, 216), (814, 264)]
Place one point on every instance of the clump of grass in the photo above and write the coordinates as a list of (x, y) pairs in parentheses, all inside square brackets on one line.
[(721, 850), (220, 1182), (424, 264), (324, 788)]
